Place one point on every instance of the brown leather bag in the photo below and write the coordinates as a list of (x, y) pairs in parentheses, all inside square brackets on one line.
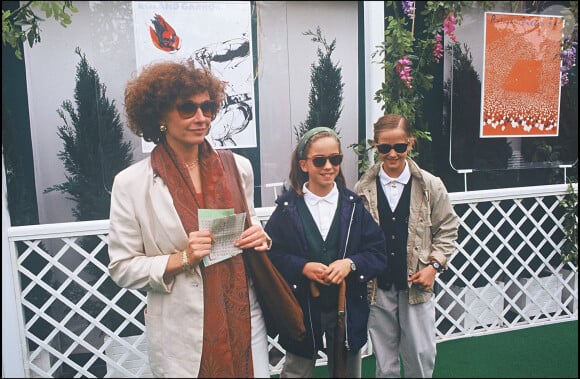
[(281, 310)]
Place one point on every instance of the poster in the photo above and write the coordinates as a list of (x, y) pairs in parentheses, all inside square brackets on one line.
[(216, 35), (521, 75)]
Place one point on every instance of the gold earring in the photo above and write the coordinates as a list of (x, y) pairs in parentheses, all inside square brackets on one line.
[(162, 128)]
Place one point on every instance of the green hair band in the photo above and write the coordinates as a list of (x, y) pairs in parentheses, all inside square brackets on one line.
[(308, 136)]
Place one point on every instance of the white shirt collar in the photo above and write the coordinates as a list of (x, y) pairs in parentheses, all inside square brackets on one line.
[(312, 199), (402, 179), (322, 209)]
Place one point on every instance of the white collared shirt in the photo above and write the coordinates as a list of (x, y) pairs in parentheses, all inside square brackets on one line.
[(322, 209), (393, 187)]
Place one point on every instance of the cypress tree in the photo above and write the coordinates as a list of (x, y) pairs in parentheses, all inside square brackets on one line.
[(94, 151), (326, 92)]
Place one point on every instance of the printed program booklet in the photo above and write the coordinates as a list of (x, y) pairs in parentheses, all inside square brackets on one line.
[(226, 227)]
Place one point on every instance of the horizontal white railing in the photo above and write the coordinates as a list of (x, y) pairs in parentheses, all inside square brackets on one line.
[(506, 274)]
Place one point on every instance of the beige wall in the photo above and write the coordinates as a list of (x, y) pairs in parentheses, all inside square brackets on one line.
[(284, 78), (104, 32)]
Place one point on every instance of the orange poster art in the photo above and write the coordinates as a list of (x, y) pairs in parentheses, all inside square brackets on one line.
[(521, 75)]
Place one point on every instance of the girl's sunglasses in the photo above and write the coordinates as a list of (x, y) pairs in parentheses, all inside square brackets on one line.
[(399, 148), (189, 109), (335, 160)]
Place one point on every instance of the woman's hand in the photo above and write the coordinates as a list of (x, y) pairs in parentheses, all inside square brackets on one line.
[(199, 246), (254, 238)]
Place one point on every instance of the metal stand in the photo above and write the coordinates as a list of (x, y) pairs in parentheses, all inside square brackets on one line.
[(465, 172)]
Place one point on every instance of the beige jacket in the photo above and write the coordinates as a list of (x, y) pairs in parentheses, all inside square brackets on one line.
[(433, 223), (144, 229)]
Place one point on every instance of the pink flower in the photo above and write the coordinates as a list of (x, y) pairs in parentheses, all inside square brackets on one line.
[(403, 68), (438, 47), (449, 27), (449, 30)]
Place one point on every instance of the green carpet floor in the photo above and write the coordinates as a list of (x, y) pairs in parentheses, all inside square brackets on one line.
[(549, 351)]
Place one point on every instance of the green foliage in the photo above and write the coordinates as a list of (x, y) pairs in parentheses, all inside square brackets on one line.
[(22, 24), (401, 40), (362, 151), (326, 91), (570, 203), (94, 151), (394, 96)]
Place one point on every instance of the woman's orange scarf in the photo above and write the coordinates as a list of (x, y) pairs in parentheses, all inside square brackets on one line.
[(227, 345)]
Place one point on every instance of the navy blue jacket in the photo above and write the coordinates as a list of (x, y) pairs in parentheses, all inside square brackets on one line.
[(289, 253)]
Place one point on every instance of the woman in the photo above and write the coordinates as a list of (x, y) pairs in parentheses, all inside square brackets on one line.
[(412, 207), (322, 237), (201, 321)]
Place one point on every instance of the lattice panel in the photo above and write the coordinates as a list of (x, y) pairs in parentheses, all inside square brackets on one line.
[(71, 306), (506, 271)]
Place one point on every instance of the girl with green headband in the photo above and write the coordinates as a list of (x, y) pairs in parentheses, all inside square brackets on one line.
[(325, 241)]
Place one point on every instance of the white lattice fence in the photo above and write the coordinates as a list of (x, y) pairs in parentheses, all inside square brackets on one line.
[(505, 274)]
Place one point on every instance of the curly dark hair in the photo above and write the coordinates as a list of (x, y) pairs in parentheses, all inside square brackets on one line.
[(152, 94)]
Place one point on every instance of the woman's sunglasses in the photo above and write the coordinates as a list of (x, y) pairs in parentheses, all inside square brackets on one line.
[(399, 148), (335, 160), (189, 109)]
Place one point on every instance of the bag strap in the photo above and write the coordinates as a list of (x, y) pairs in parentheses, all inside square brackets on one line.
[(233, 175)]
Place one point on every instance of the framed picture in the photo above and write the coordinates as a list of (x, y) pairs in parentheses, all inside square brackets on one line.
[(216, 35), (521, 75)]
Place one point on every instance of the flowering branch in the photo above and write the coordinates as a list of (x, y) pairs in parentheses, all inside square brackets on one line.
[(407, 58), (409, 10), (569, 44)]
